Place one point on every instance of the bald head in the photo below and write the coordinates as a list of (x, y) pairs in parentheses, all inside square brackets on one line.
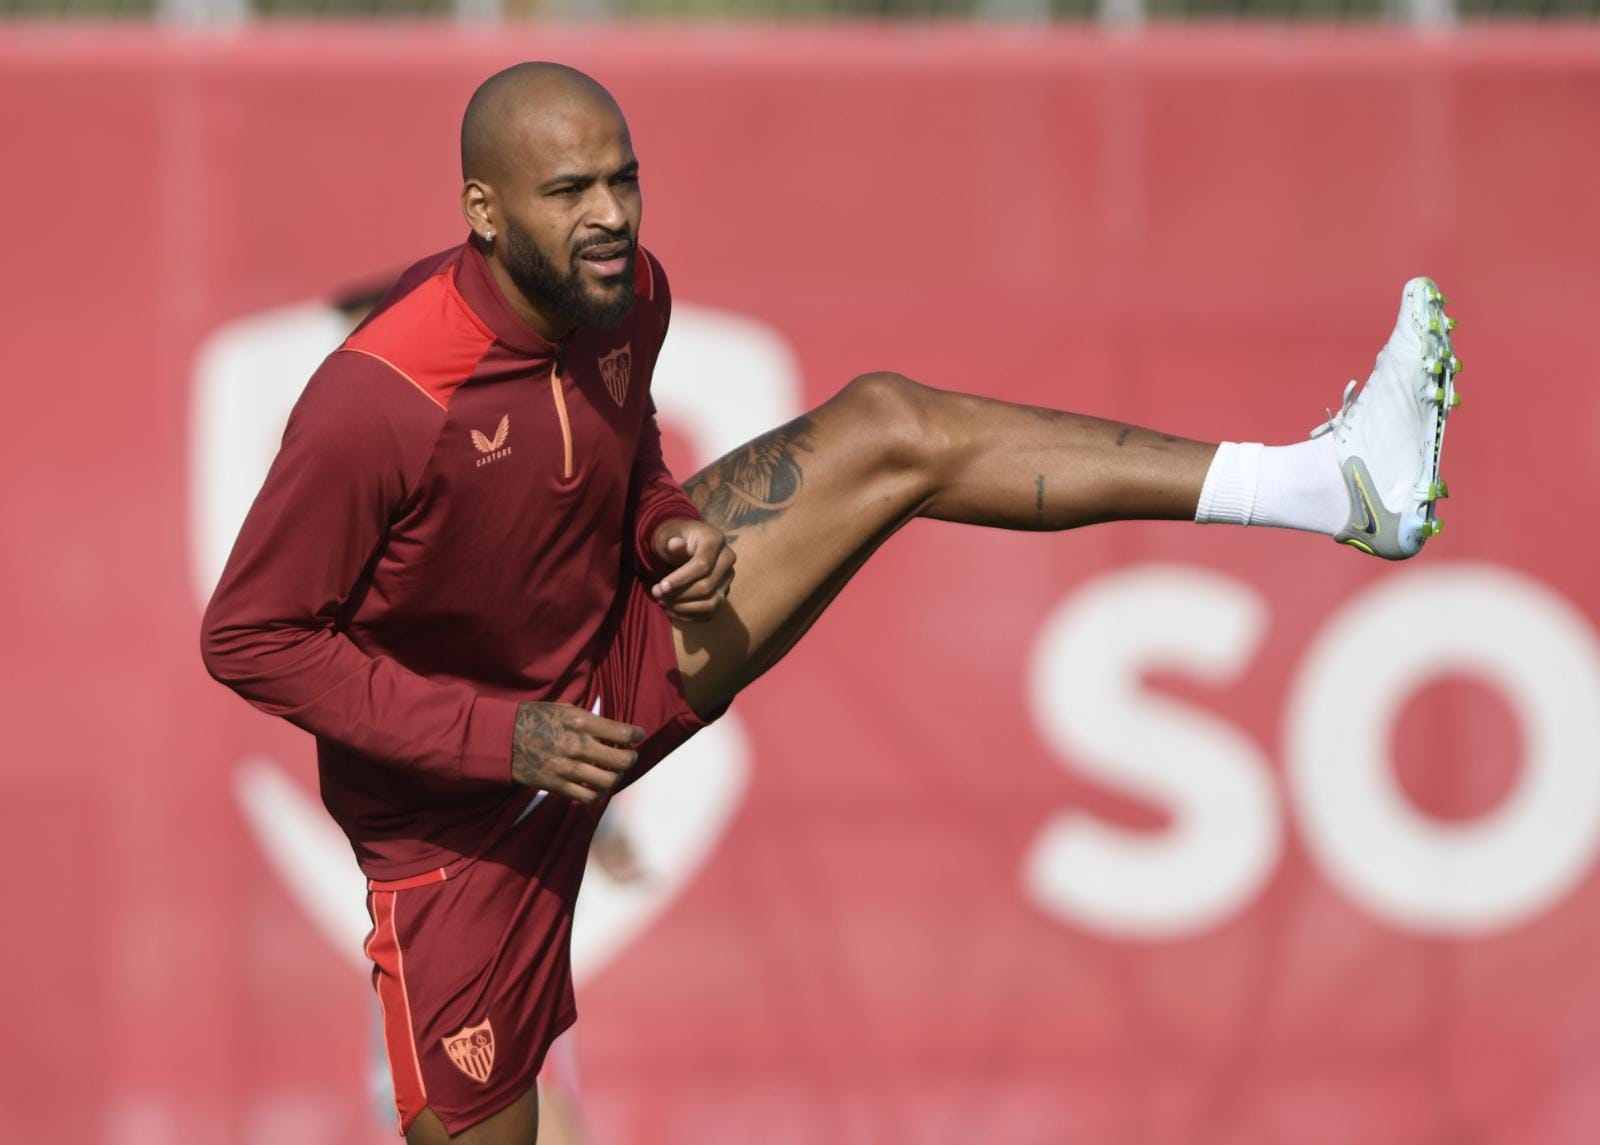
[(513, 109), (550, 188)]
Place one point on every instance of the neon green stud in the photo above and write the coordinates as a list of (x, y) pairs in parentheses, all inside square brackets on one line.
[(1455, 364), (1450, 324), (1438, 490), (1432, 528), (1455, 398), (1436, 368), (1433, 325), (1444, 300), (1438, 394)]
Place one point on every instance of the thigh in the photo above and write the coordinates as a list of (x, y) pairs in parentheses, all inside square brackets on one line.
[(805, 505), (517, 1124)]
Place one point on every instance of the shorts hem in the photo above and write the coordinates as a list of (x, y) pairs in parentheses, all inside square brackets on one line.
[(457, 1122)]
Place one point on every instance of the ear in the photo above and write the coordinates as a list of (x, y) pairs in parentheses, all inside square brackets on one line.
[(478, 207)]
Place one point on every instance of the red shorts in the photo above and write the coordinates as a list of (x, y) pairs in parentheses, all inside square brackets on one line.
[(471, 961)]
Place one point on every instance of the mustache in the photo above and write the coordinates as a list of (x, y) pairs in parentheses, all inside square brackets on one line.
[(606, 239)]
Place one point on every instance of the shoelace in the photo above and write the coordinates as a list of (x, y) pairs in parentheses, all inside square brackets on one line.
[(1335, 421)]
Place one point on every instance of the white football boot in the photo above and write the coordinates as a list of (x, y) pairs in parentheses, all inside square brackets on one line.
[(1389, 436)]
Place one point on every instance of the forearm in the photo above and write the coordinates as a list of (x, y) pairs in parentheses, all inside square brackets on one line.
[(657, 499), (320, 681)]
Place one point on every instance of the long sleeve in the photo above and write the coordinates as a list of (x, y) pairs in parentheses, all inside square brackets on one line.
[(273, 633), (658, 498)]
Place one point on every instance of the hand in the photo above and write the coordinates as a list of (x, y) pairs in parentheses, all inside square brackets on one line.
[(697, 587), (567, 751)]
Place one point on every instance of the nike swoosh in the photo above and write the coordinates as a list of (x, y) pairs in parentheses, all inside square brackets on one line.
[(1371, 527)]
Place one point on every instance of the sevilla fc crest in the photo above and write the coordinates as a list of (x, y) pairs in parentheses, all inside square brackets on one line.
[(615, 368), (472, 1049)]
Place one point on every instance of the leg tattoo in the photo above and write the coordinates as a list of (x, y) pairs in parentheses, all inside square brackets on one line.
[(754, 483)]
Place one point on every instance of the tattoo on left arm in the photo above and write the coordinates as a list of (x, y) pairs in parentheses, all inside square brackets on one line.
[(1038, 502), (538, 727)]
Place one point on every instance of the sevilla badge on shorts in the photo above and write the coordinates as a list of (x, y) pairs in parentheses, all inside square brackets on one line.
[(615, 368), (472, 1049)]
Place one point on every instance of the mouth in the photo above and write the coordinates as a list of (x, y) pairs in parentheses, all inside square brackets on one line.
[(607, 260)]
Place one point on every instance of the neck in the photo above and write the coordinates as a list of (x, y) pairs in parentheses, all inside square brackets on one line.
[(534, 311)]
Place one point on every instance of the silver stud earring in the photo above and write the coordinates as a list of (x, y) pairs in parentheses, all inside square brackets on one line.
[(488, 236)]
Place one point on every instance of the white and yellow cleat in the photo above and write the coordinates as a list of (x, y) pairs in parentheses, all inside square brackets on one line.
[(1388, 438)]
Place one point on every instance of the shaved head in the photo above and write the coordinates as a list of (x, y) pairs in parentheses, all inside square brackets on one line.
[(551, 191), (519, 101)]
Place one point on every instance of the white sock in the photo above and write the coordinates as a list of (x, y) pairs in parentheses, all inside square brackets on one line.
[(1280, 486)]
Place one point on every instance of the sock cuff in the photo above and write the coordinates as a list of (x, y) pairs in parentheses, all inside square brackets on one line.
[(1228, 496)]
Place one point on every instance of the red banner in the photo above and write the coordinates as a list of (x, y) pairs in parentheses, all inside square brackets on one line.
[(1145, 833)]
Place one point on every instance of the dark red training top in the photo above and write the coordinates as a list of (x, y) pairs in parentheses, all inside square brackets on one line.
[(444, 533)]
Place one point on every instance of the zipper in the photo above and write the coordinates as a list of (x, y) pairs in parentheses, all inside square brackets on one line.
[(561, 412)]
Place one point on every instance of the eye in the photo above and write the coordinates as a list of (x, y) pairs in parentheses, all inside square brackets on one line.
[(632, 180), (565, 192)]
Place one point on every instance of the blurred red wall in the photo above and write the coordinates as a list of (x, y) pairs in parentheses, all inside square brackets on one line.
[(1202, 230)]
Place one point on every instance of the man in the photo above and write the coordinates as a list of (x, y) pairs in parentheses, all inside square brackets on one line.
[(439, 576), (250, 373)]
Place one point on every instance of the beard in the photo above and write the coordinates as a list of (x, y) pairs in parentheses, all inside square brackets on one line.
[(565, 292)]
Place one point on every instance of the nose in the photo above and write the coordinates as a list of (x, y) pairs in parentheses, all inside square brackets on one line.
[(606, 211)]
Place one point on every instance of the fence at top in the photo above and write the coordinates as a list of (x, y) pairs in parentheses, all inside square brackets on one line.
[(1108, 11)]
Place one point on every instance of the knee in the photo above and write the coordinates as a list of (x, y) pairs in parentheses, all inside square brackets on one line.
[(901, 417)]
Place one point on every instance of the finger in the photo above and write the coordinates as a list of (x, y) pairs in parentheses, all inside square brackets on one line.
[(611, 731), (573, 791), (705, 589), (695, 568), (588, 776), (560, 777), (715, 583), (614, 759), (725, 565), (678, 548), (678, 584), (695, 612)]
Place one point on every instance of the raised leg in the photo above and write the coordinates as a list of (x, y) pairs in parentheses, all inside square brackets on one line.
[(806, 504)]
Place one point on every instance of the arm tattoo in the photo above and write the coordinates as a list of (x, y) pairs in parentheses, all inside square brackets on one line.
[(1038, 502), (755, 482), (538, 728)]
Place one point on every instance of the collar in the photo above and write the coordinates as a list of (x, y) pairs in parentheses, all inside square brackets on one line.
[(478, 288)]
